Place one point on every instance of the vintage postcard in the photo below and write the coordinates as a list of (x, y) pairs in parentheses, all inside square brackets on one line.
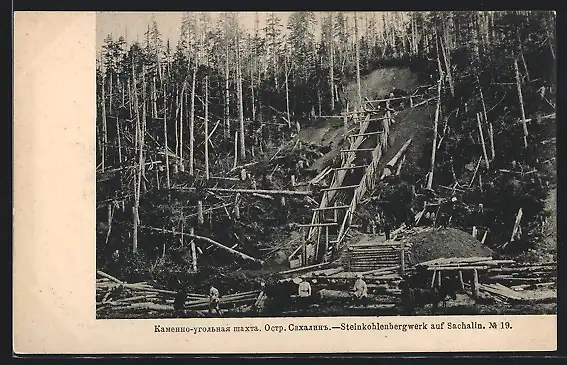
[(285, 182)]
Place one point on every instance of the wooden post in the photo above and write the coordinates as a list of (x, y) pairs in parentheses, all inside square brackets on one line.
[(461, 280), (524, 124), (304, 253), (482, 141), (474, 231), (484, 237), (439, 279), (433, 278), (474, 284), (345, 124), (193, 251), (200, 217), (292, 180), (335, 213)]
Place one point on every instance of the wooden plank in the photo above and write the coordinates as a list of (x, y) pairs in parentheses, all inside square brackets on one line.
[(303, 268), (340, 188), (317, 224), (358, 149), (331, 208), (349, 167), (364, 134)]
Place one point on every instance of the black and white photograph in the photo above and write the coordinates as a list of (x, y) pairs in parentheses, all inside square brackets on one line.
[(325, 164)]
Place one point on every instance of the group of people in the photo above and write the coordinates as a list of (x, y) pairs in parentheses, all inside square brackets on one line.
[(303, 294)]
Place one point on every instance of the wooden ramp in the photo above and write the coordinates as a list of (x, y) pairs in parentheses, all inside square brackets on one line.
[(367, 133)]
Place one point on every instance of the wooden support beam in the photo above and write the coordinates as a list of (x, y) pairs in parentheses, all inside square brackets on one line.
[(341, 188), (392, 99), (474, 284), (350, 167), (333, 207), (364, 134), (358, 149), (378, 119), (253, 191), (461, 280), (317, 224)]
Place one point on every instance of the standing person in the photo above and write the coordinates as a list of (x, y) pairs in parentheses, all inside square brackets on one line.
[(387, 227), (180, 299), (214, 300), (360, 288), (304, 292)]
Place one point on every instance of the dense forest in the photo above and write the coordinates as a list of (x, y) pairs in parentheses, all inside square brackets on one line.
[(175, 119)]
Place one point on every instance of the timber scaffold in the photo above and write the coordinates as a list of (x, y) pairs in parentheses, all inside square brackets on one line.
[(324, 237)]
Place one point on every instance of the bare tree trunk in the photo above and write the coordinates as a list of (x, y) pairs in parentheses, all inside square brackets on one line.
[(434, 148), (104, 130), (165, 147), (240, 104), (138, 174), (207, 127), (252, 93), (119, 139), (481, 134), (110, 94), (193, 251), (130, 101), (177, 113), (123, 91), (448, 68), (287, 92), (521, 49), (181, 119), (332, 66), (226, 98), (192, 121), (359, 89), (524, 124), (154, 98)]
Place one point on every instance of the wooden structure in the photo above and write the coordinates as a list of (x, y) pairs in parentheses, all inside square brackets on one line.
[(358, 174)]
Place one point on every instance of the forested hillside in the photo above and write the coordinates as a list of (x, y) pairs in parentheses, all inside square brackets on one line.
[(181, 127)]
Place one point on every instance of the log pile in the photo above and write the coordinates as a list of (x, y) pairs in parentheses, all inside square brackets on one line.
[(523, 276), (501, 280), (115, 295)]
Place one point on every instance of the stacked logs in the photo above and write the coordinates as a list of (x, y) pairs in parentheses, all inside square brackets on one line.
[(115, 295)]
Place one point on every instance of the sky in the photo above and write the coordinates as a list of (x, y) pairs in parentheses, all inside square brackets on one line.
[(134, 24)]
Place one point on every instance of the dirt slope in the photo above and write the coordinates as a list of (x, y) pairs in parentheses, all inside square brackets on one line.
[(413, 123)]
